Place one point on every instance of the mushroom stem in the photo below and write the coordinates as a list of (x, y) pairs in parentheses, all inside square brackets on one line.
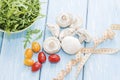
[(51, 44), (64, 17)]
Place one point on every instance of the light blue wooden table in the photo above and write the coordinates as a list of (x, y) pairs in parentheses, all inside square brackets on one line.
[(97, 16)]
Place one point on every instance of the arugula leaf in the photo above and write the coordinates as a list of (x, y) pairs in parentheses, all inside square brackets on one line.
[(16, 15), (29, 34), (35, 31), (39, 36)]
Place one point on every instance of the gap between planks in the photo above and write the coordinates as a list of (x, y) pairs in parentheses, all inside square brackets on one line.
[(86, 25), (45, 29), (1, 41)]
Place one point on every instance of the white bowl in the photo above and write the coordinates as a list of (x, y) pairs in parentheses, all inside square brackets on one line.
[(20, 30)]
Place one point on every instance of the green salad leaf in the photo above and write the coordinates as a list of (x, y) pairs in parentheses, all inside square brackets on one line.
[(16, 15), (29, 35), (39, 36)]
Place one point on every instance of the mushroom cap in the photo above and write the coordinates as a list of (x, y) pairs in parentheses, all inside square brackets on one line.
[(54, 28), (51, 45), (84, 34), (66, 32), (77, 23), (64, 19), (70, 45)]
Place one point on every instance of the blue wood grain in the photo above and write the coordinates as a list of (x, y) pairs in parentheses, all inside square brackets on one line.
[(101, 14), (12, 54), (1, 38), (76, 7)]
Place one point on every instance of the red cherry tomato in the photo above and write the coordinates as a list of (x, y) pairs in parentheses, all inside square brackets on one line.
[(36, 66), (54, 58), (41, 57)]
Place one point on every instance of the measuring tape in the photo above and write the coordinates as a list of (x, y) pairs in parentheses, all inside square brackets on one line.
[(108, 34)]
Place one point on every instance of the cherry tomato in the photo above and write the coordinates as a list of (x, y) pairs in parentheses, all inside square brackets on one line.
[(36, 47), (36, 66), (41, 57), (28, 53), (54, 58), (28, 62)]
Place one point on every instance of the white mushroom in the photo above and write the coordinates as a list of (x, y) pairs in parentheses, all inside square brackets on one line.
[(77, 22), (54, 28), (84, 35), (51, 45), (70, 45), (66, 32), (64, 19)]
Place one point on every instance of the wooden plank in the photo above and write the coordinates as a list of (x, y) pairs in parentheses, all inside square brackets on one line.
[(1, 38), (12, 54), (101, 14), (76, 7)]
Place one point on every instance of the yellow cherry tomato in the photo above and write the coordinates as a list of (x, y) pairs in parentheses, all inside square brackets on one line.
[(36, 47), (28, 62), (28, 53)]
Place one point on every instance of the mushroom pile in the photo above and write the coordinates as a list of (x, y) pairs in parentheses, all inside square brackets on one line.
[(67, 34)]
